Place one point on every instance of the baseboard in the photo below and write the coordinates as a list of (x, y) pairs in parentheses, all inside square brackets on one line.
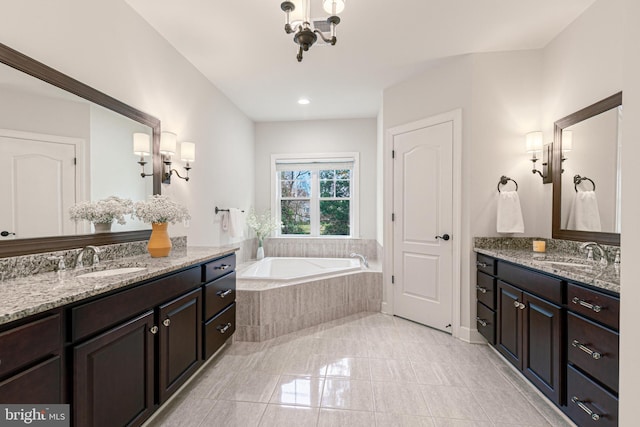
[(385, 308), (472, 336)]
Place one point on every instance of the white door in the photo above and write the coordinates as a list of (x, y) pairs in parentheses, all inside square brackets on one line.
[(37, 187), (423, 210)]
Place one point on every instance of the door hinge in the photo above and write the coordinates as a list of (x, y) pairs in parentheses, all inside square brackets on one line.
[(393, 154), (393, 280), (75, 161), (393, 217)]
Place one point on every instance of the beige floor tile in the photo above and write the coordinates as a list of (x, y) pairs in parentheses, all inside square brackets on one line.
[(452, 402), (509, 408), (289, 416), (298, 391), (209, 384), (314, 365), (384, 419), (437, 374), (250, 387), (340, 418), (347, 394), (355, 368), (485, 377), (235, 414), (271, 361), (392, 370), (399, 398), (387, 350), (183, 412), (448, 422)]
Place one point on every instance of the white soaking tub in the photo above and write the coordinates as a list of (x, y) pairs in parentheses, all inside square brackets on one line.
[(285, 268)]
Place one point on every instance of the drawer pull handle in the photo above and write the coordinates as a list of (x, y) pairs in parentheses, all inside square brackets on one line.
[(596, 355), (223, 294), (483, 264), (482, 322), (481, 289), (585, 408), (224, 328), (166, 322), (154, 330), (595, 308), (222, 267)]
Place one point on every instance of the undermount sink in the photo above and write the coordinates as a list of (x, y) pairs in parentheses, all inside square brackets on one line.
[(567, 264), (112, 272)]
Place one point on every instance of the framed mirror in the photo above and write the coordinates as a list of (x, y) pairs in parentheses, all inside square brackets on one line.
[(587, 174), (87, 135)]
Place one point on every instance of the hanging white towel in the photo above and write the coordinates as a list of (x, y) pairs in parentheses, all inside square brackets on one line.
[(236, 222), (584, 214), (509, 213), (224, 221)]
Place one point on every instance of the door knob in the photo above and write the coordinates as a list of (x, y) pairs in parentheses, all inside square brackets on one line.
[(444, 237), (6, 233)]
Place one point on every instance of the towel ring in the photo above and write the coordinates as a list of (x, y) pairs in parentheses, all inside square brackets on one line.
[(577, 179), (504, 180)]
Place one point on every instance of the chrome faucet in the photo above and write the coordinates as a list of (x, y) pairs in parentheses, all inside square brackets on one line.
[(363, 259), (589, 247), (80, 256)]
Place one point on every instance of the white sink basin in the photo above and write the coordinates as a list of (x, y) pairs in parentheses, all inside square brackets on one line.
[(567, 264), (112, 272)]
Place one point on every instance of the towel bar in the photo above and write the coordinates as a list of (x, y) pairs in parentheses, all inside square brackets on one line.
[(504, 180), (222, 210)]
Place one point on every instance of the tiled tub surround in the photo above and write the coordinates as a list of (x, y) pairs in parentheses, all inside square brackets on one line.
[(319, 247), (25, 296), (519, 251), (268, 309)]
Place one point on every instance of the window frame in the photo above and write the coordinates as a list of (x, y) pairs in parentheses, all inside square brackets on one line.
[(314, 159)]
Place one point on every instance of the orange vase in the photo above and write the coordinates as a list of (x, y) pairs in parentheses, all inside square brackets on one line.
[(159, 242)]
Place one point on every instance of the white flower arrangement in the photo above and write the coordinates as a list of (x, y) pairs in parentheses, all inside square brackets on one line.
[(159, 209), (262, 224), (102, 211)]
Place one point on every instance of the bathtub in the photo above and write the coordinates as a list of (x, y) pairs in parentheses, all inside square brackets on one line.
[(285, 268)]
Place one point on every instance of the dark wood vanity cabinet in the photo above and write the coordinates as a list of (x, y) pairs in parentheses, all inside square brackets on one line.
[(219, 314), (486, 297), (31, 361), (562, 336)]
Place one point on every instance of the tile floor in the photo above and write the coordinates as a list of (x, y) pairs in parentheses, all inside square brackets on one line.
[(366, 370)]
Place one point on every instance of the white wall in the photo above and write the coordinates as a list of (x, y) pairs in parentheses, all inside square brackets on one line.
[(121, 55), (320, 136)]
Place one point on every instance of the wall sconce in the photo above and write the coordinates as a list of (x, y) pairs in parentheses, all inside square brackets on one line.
[(567, 144), (141, 148), (168, 143), (535, 147)]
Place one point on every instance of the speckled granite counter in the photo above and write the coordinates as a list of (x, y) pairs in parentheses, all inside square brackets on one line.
[(591, 274), (25, 296)]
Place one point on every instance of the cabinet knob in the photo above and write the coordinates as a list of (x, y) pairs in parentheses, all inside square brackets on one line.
[(481, 289), (481, 322), (594, 416), (223, 294), (521, 306), (153, 330), (166, 322), (224, 328), (516, 304), (222, 267)]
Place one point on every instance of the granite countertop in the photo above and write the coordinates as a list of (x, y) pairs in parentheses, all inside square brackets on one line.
[(25, 296), (592, 274)]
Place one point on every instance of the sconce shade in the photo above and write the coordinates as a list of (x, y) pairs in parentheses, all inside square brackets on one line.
[(534, 142), (333, 7), (141, 144), (188, 151), (168, 143), (567, 140)]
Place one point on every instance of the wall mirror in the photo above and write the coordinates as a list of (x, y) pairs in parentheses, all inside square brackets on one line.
[(587, 175), (81, 137)]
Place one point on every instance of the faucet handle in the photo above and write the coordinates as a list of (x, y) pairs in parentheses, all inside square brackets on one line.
[(590, 253), (61, 265), (617, 259)]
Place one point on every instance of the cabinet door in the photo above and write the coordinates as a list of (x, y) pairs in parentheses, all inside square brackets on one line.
[(180, 344), (542, 346), (509, 340), (113, 376)]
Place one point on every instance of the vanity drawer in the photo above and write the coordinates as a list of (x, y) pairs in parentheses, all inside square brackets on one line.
[(25, 344), (588, 404), (219, 294), (594, 305), (538, 284), (486, 290), (218, 330), (486, 264), (594, 349), (486, 322), (214, 269)]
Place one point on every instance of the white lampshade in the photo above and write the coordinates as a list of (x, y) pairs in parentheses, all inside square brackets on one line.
[(333, 7), (567, 141), (168, 143), (188, 151), (141, 144), (534, 142)]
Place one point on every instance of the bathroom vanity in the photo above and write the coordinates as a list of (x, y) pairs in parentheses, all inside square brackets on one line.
[(558, 324), (115, 347)]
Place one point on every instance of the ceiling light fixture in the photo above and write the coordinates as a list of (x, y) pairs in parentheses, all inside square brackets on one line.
[(298, 21), (304, 101)]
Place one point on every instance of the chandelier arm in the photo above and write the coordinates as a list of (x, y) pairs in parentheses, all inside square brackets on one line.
[(331, 40)]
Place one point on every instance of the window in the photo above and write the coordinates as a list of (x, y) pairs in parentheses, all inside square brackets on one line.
[(316, 196)]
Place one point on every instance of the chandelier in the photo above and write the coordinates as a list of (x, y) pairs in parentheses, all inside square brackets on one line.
[(306, 30)]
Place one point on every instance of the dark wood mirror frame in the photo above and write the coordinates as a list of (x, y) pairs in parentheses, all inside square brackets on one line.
[(43, 72), (558, 233)]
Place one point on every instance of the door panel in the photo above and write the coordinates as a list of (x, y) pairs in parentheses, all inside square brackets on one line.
[(423, 208)]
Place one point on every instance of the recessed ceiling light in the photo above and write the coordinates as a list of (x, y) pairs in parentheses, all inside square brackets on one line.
[(304, 101)]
